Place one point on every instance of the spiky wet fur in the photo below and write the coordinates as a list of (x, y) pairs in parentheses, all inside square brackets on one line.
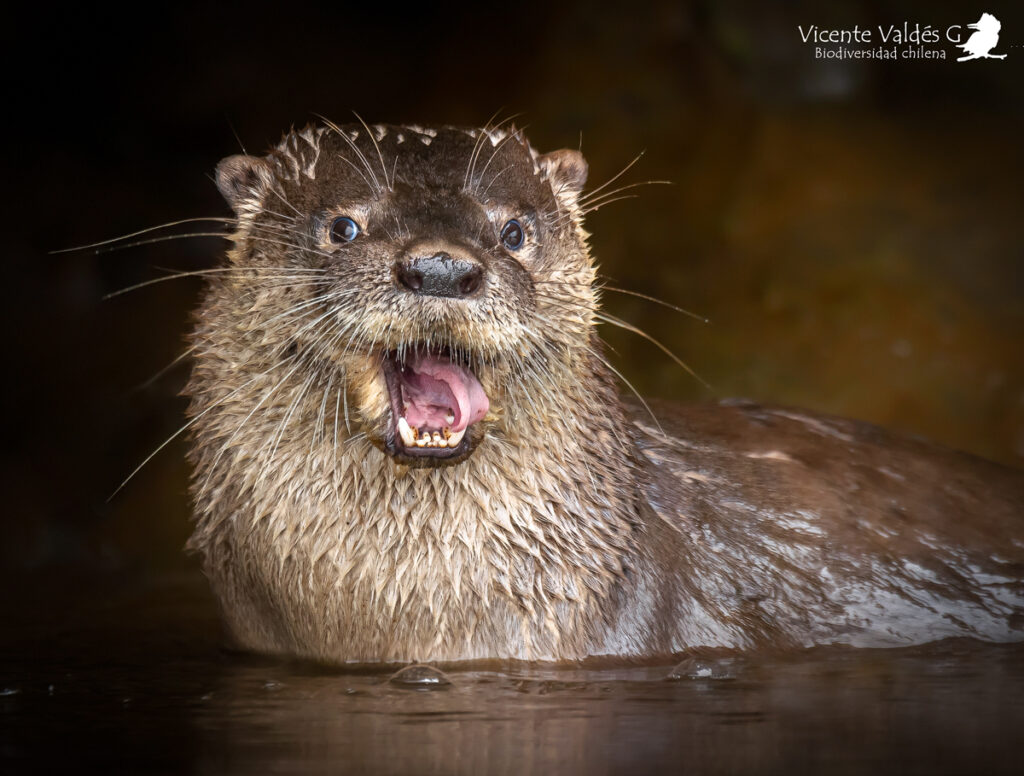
[(316, 541)]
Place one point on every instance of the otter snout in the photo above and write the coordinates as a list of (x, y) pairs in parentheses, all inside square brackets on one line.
[(439, 274)]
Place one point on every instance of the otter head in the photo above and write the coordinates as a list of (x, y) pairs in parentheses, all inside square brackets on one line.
[(442, 275)]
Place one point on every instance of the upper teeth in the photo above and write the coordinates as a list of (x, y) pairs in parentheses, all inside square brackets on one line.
[(412, 437)]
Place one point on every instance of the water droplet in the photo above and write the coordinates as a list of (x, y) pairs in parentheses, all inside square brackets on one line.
[(420, 676)]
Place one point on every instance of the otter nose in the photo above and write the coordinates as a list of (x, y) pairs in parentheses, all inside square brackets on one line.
[(439, 275)]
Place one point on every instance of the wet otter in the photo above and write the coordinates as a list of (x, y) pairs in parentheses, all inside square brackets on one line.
[(408, 444)]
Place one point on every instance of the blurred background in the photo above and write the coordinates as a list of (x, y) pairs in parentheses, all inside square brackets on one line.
[(851, 230)]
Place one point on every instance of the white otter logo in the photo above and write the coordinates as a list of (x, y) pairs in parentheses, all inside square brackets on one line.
[(984, 40)]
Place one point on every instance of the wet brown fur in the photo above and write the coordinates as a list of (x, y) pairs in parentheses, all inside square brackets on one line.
[(576, 526)]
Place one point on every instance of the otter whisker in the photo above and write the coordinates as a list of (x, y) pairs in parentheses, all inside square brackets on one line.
[(147, 230), (279, 229), (359, 172), (629, 292), (196, 273), (360, 155), (300, 363), (615, 177), (320, 426), (629, 385), (320, 429), (664, 349), (325, 323), (165, 238), (383, 166), (280, 195), (305, 304), (493, 179), (164, 370), (288, 416), (494, 154), (297, 218), (259, 239), (348, 428), (600, 204), (578, 214), (484, 132), (591, 197), (178, 433), (337, 404), (618, 322), (354, 438), (584, 314), (357, 334), (266, 395)]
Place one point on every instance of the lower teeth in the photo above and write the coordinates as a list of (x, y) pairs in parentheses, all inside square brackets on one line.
[(411, 437)]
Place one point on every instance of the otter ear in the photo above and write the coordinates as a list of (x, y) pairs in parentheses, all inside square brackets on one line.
[(567, 172), (243, 181)]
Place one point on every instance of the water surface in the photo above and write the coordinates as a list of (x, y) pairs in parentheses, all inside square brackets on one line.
[(128, 675)]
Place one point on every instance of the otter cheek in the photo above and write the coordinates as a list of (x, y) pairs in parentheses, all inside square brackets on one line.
[(365, 391)]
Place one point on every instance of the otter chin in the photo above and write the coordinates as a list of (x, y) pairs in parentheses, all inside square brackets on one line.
[(408, 442)]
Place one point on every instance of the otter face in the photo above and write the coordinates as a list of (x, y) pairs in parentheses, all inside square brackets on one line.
[(440, 276)]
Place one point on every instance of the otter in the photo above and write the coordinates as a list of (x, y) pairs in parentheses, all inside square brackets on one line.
[(408, 444)]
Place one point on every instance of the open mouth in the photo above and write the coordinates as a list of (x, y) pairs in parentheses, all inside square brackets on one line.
[(434, 400)]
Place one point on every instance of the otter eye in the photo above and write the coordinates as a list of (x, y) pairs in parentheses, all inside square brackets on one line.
[(344, 229), (512, 235)]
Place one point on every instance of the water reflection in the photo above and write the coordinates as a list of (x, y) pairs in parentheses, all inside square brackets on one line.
[(949, 708), (139, 684)]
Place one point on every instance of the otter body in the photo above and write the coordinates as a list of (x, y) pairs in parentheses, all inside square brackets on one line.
[(408, 445)]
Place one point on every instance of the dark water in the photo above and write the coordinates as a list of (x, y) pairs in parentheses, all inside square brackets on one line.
[(123, 676)]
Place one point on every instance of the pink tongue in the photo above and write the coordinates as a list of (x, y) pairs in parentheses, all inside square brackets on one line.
[(433, 387)]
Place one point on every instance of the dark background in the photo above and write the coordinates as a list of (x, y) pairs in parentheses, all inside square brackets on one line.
[(851, 230)]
